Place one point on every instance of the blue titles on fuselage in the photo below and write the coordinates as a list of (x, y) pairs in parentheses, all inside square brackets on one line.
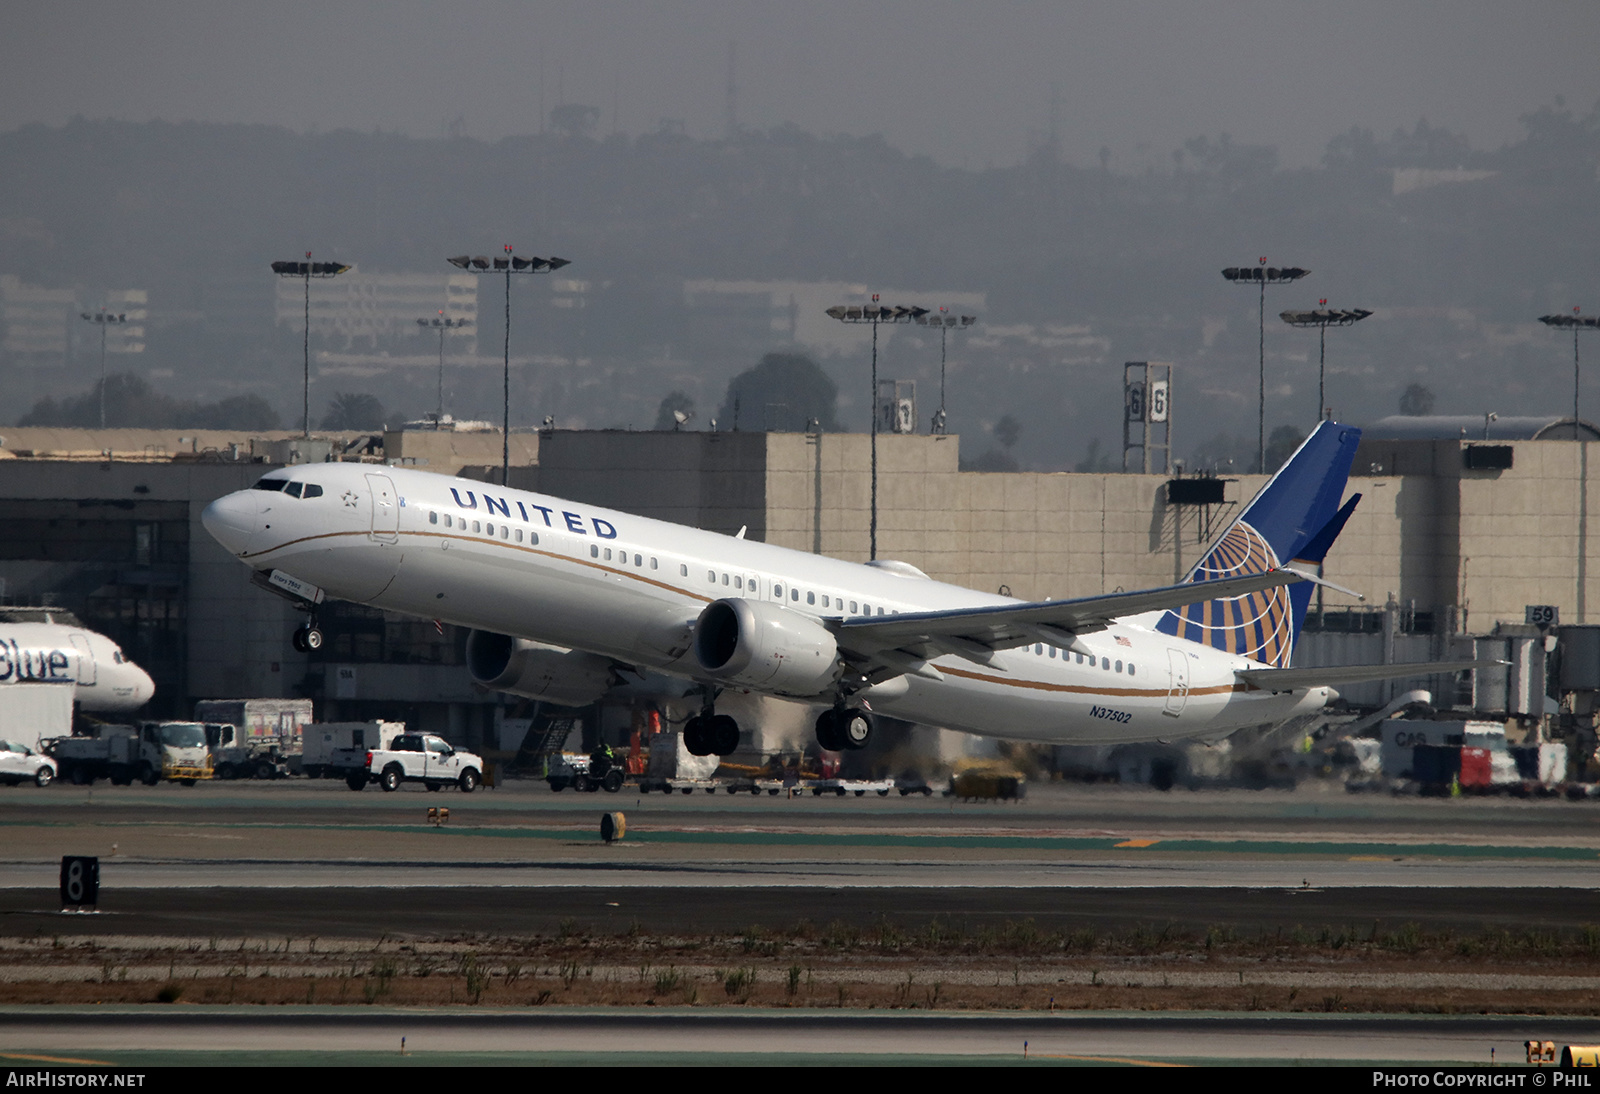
[(17, 664), (603, 529)]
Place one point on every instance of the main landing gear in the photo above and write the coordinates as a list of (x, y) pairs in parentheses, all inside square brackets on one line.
[(707, 734), (844, 728)]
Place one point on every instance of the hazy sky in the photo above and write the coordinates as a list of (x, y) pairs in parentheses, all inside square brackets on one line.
[(966, 83)]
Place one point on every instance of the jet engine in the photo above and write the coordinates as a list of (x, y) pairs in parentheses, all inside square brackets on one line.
[(753, 644), (518, 666)]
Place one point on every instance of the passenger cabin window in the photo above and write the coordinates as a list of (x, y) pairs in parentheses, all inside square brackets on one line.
[(683, 569), (594, 550), (433, 517), (1105, 663), (811, 598), (448, 522), (653, 565), (533, 537), (475, 528), (1130, 668), (777, 591), (738, 582)]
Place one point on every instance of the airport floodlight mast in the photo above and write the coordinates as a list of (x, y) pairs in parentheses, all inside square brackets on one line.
[(442, 324), (945, 322), (1577, 323), (508, 265), (307, 270), (1262, 275), (874, 314), (104, 319), (1322, 317)]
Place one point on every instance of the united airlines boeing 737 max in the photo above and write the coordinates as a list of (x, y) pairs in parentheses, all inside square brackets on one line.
[(564, 599)]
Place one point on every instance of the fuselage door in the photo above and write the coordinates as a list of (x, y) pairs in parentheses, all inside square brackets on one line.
[(1178, 682), (385, 509), (85, 660)]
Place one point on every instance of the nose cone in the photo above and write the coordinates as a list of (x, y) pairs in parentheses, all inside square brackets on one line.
[(233, 520), (144, 688)]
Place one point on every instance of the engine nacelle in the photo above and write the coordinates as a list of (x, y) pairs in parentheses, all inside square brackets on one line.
[(753, 644), (518, 666)]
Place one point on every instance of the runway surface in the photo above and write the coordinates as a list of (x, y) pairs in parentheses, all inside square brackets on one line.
[(680, 1036), (312, 856), (312, 859)]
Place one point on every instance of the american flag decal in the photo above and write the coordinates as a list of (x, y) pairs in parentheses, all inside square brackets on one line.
[(1257, 626)]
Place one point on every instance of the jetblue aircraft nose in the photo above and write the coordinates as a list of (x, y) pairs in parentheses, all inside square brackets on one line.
[(144, 689), (232, 520)]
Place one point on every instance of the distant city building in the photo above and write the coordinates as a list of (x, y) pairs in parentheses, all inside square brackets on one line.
[(39, 323), (380, 311), (797, 310)]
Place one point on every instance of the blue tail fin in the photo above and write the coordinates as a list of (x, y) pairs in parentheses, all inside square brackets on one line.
[(1296, 516)]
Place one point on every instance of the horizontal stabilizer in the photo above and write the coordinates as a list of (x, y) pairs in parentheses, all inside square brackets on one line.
[(1290, 679)]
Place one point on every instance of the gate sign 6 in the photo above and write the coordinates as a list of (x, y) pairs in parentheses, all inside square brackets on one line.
[(80, 881), (1148, 406)]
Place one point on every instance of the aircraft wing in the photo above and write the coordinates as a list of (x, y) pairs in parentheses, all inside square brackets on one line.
[(904, 643), (1290, 679)]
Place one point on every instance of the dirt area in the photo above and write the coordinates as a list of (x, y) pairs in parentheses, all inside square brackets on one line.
[(1016, 966)]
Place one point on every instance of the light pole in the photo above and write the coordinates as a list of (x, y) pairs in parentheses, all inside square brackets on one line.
[(508, 265), (307, 270), (1577, 323), (1323, 317), (1263, 275), (874, 314), (944, 322), (104, 319), (443, 324)]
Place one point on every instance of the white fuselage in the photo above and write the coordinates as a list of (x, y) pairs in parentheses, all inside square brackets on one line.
[(54, 653), (630, 588)]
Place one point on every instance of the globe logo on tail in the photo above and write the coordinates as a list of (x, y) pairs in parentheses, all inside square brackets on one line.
[(1258, 626)]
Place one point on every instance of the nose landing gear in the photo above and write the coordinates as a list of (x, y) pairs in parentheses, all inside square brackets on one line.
[(308, 638)]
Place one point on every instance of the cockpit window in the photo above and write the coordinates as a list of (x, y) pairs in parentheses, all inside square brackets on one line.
[(312, 490), (269, 484), (293, 489)]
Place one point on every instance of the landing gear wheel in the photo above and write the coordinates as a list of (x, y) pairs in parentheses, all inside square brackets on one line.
[(308, 639), (468, 781), (724, 735), (855, 728), (829, 737), (697, 736)]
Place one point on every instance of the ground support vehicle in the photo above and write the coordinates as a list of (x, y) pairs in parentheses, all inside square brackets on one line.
[(422, 758), (682, 786), (338, 750), (254, 738), (580, 772), (30, 713), (858, 787), (19, 763), (174, 751)]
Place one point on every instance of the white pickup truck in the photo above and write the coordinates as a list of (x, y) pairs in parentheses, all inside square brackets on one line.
[(423, 758)]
